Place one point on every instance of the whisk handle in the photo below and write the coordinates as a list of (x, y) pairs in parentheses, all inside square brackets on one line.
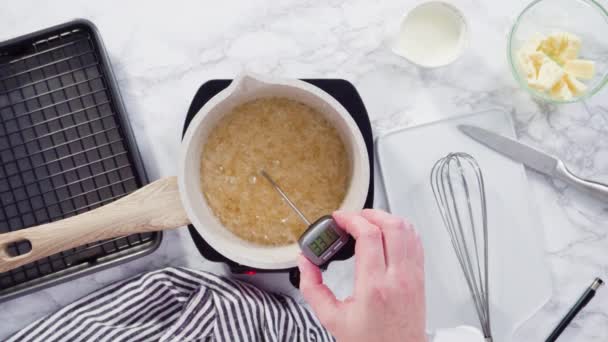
[(595, 189)]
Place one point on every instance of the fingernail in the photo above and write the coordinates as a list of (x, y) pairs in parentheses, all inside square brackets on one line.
[(340, 214)]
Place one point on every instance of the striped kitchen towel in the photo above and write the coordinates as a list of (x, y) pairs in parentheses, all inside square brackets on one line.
[(178, 304)]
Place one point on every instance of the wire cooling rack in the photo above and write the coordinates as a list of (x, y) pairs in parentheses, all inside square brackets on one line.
[(65, 148)]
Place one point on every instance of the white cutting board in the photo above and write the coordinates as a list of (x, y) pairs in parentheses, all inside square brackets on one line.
[(520, 282)]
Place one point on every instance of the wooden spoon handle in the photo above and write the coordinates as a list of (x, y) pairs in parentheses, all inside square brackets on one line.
[(155, 207)]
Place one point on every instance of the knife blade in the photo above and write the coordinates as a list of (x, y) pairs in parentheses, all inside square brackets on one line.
[(535, 159), (529, 156)]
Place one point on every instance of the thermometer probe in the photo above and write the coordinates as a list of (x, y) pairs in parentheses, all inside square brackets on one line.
[(322, 239)]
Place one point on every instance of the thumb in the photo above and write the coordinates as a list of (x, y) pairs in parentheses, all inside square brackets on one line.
[(320, 298)]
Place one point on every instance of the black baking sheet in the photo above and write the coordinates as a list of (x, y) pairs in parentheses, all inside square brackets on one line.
[(65, 148)]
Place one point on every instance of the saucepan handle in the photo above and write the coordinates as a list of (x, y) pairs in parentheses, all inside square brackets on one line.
[(155, 207)]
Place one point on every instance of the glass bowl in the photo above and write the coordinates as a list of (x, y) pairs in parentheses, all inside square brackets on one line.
[(585, 18)]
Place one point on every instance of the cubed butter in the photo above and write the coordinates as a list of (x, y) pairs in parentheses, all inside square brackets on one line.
[(580, 68), (561, 91), (533, 83), (561, 46), (537, 58), (576, 87), (551, 65), (571, 45), (550, 46), (569, 53), (533, 43), (549, 74), (527, 68), (525, 65)]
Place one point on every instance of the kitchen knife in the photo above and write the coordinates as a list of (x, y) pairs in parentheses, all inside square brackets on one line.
[(535, 159)]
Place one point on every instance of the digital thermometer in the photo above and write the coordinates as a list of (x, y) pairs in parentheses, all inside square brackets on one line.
[(322, 239)]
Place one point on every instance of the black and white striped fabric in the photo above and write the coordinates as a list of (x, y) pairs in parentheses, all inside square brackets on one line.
[(178, 304)]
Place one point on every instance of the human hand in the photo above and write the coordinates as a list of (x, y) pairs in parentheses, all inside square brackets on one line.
[(388, 302)]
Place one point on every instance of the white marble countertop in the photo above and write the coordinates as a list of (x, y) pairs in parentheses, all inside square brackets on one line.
[(163, 51)]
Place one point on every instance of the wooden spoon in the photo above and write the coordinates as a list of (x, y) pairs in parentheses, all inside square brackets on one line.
[(156, 206)]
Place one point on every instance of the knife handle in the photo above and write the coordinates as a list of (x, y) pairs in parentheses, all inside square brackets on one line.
[(595, 189)]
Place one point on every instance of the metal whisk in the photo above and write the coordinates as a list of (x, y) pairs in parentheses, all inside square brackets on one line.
[(458, 187)]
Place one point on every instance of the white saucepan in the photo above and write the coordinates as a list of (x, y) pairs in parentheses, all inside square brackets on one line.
[(176, 201)]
